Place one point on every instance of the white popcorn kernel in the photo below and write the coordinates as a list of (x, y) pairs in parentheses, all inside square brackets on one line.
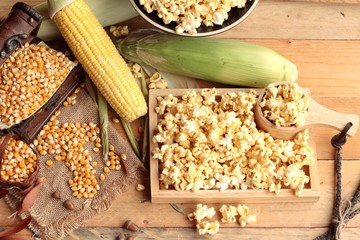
[(229, 214), (219, 17), (208, 227), (203, 211)]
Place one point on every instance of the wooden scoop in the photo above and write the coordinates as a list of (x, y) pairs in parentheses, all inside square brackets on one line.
[(317, 116)]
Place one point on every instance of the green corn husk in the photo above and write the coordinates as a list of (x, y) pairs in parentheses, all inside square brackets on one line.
[(104, 124), (219, 60)]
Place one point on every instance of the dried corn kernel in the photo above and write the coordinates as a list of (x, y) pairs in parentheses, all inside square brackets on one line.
[(28, 78), (49, 163), (106, 170), (68, 140), (18, 162), (102, 177)]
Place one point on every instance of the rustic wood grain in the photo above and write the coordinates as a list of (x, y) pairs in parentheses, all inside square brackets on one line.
[(136, 206), (282, 19), (224, 233), (322, 37)]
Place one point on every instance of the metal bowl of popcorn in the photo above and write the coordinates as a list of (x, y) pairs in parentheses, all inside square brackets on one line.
[(194, 18)]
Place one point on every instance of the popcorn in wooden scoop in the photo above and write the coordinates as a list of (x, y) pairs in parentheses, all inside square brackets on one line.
[(283, 109)]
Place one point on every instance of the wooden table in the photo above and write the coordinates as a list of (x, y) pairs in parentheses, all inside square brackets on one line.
[(323, 38)]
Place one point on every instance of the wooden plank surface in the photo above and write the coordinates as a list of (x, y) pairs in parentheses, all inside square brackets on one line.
[(282, 19), (322, 37)]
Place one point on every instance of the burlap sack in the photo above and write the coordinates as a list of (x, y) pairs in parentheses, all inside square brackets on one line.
[(51, 220)]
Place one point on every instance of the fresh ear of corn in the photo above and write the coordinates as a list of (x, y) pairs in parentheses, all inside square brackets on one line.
[(97, 54), (214, 59), (108, 12)]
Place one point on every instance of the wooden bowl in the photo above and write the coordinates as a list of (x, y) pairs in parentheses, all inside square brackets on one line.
[(236, 15)]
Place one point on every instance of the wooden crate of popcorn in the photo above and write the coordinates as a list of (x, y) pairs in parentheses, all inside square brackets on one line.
[(237, 192)]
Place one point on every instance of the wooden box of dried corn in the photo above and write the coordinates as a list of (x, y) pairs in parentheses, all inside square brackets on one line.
[(205, 147)]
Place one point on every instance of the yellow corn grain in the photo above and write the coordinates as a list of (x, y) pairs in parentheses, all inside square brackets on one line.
[(102, 177), (97, 54), (49, 163)]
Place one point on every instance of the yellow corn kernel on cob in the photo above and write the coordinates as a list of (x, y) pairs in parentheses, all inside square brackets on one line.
[(97, 54)]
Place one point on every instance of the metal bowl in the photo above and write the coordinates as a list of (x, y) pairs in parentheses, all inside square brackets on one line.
[(235, 16)]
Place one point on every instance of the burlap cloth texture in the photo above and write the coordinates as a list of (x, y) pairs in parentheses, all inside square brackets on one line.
[(51, 220)]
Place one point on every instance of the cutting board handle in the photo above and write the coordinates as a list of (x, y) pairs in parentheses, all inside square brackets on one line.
[(320, 116)]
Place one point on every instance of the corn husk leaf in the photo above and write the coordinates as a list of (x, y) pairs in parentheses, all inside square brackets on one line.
[(130, 134), (90, 88), (104, 124), (177, 208), (144, 90)]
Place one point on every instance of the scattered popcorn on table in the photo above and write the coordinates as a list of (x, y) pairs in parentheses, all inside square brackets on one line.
[(208, 227), (245, 217), (203, 216), (201, 212), (285, 105), (189, 15), (229, 214), (211, 142)]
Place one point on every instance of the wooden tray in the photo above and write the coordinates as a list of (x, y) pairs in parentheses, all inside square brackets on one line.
[(311, 192)]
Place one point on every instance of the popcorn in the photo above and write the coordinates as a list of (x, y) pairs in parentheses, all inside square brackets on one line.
[(209, 142), (191, 14), (208, 227), (157, 82), (245, 217), (229, 214), (201, 212), (203, 216), (285, 105), (119, 31)]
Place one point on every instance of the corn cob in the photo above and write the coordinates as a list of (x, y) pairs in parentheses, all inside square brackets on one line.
[(108, 12), (97, 54), (220, 60)]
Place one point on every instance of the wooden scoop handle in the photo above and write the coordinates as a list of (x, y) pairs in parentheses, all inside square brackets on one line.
[(320, 116)]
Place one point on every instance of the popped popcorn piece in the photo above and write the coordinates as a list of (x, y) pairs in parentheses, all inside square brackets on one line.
[(191, 14), (119, 31), (202, 215), (157, 82), (135, 69), (244, 215), (229, 214), (285, 105), (201, 212), (208, 227), (207, 141)]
